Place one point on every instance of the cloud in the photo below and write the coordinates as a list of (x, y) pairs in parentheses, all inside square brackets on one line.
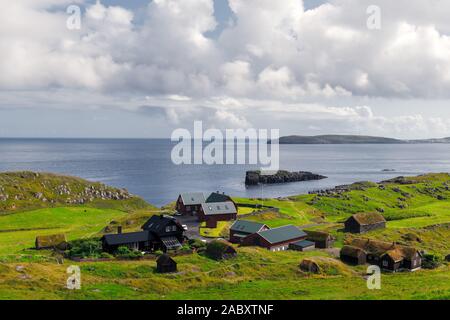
[(274, 48), (272, 53)]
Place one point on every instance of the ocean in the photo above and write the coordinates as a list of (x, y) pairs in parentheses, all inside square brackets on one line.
[(144, 167)]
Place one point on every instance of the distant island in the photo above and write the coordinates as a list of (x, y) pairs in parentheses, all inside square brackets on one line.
[(353, 139)]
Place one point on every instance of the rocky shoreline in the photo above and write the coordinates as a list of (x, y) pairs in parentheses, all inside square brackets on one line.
[(253, 178)]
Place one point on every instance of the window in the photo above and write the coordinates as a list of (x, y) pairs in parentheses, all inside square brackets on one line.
[(168, 229), (385, 264)]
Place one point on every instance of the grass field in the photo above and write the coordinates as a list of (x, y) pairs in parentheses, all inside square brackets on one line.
[(418, 214), (255, 274), (18, 231)]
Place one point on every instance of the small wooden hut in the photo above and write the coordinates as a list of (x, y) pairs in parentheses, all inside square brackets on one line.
[(322, 240), (55, 241), (165, 264), (353, 255)]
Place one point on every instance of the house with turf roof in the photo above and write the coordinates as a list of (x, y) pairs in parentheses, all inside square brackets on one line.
[(365, 222), (322, 240), (353, 255), (388, 255), (242, 228), (276, 239)]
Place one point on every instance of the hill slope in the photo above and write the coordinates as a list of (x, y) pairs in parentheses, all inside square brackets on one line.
[(338, 139), (353, 139), (22, 191)]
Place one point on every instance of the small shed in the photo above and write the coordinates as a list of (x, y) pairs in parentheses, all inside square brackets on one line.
[(322, 240), (353, 255), (57, 241), (165, 264), (302, 245), (308, 265), (365, 222)]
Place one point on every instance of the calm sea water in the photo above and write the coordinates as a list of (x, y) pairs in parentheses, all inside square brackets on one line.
[(144, 167)]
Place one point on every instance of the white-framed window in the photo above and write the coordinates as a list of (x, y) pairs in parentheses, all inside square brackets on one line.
[(385, 264), (168, 229)]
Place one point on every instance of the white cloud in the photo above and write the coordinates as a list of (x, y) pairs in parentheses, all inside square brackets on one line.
[(274, 53)]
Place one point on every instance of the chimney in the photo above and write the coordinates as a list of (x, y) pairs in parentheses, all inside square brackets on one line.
[(119, 230)]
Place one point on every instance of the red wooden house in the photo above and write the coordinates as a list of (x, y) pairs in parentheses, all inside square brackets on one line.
[(190, 203)]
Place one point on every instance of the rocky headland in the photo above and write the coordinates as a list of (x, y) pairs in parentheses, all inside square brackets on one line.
[(253, 178)]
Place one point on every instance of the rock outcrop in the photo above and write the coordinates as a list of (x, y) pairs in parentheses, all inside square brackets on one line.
[(253, 178)]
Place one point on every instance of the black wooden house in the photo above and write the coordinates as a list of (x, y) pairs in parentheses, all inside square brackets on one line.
[(159, 233)]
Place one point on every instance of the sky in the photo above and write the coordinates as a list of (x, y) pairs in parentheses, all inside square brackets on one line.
[(141, 69)]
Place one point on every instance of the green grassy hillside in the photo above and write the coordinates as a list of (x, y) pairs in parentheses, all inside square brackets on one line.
[(255, 274), (417, 209), (33, 204), (24, 191), (18, 231)]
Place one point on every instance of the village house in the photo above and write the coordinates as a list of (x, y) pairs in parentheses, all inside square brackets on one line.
[(322, 240), (216, 207), (190, 203), (211, 213), (167, 230), (159, 233), (389, 256), (277, 239), (365, 222), (141, 241), (353, 255), (219, 197), (242, 228)]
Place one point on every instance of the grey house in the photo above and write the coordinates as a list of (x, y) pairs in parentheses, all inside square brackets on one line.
[(242, 228)]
